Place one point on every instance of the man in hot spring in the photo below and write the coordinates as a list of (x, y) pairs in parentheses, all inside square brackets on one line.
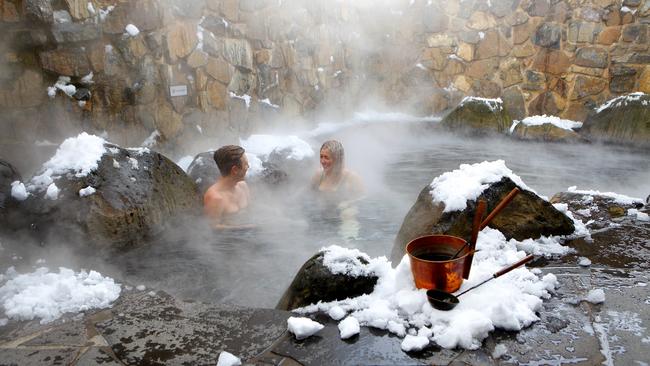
[(226, 198)]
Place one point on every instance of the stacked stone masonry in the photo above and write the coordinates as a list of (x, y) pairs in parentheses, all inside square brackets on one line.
[(223, 68)]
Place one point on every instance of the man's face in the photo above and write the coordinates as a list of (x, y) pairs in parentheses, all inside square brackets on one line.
[(240, 172)]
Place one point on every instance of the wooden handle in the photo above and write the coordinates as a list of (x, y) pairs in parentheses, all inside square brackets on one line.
[(513, 266), (478, 216), (504, 202)]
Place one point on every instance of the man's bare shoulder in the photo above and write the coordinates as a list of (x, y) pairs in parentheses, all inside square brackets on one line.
[(213, 194)]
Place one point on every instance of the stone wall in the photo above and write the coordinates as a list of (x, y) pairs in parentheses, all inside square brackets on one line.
[(295, 59)]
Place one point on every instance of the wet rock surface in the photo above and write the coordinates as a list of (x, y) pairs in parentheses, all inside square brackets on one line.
[(546, 132), (527, 216)]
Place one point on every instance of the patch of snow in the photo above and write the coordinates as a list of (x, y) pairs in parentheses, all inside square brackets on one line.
[(132, 30), (51, 91), (349, 327), (495, 104), (151, 140), (246, 98), (596, 296), (580, 227), (414, 343), (134, 163), (303, 327), (267, 101), (198, 128), (228, 359), (88, 79), (140, 287), (86, 191), (481, 35), (618, 198), (641, 216), (52, 192), (61, 16), (584, 262), (91, 8), (420, 66), (47, 295), (620, 101), (467, 183), (18, 191), (337, 313), (555, 121), (116, 165), (139, 150), (346, 261), (509, 303), (263, 145), (103, 13), (499, 351)]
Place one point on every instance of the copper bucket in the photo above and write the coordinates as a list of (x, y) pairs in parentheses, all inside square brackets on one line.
[(432, 265)]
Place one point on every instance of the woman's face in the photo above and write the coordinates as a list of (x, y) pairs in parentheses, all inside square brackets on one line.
[(326, 160)]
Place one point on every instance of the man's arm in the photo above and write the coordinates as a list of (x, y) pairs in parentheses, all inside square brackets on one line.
[(213, 207)]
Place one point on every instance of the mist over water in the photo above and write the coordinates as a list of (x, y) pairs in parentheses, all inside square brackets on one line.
[(395, 159)]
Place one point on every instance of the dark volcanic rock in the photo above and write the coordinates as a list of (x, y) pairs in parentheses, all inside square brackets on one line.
[(624, 120), (137, 192), (315, 282), (203, 171), (527, 216), (478, 116)]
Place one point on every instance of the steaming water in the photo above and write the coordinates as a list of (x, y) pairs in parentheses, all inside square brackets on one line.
[(254, 267)]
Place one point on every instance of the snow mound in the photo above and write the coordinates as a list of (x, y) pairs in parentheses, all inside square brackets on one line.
[(457, 187), (47, 295), (228, 359), (350, 262), (596, 296), (616, 197), (303, 327), (349, 327)]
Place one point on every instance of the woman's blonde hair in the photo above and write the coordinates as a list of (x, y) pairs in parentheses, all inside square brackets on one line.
[(337, 153)]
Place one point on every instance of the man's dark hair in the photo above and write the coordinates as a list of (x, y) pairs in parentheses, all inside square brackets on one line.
[(227, 157)]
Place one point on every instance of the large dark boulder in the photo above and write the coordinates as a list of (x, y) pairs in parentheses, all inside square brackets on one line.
[(478, 116), (137, 192), (527, 216), (203, 171), (315, 282), (624, 120)]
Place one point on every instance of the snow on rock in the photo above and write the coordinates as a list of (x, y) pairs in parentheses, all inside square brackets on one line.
[(641, 216), (493, 104), (228, 359), (303, 327), (337, 313), (88, 79), (77, 155), (544, 119), (620, 101), (499, 350), (584, 262), (48, 295), (18, 191), (132, 30), (264, 145), (86, 191), (349, 327), (596, 296), (580, 227), (346, 261), (414, 343), (52, 192), (618, 198), (457, 187), (151, 140), (509, 302), (246, 98)]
